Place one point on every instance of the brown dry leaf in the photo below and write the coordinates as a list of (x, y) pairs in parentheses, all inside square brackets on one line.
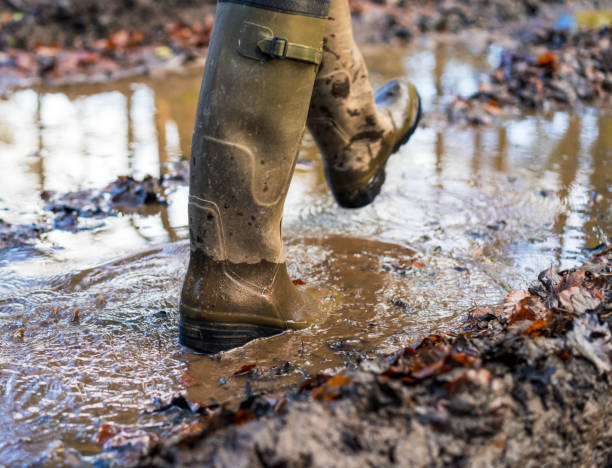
[(522, 314), (244, 370), (136, 441), (498, 75), (519, 307), (106, 432), (481, 311), (243, 416), (102, 45), (575, 278), (120, 39), (433, 369), (338, 381), (331, 396), (464, 359), (313, 382), (493, 110), (469, 378), (547, 60), (536, 328), (298, 282), (329, 390), (593, 341), (395, 372), (317, 393), (48, 51), (137, 38), (577, 300), (512, 302)]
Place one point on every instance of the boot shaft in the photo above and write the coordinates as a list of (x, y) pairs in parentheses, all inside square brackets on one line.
[(251, 115)]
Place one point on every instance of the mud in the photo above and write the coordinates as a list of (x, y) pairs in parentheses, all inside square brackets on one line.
[(527, 382), (124, 195), (12, 236), (392, 21)]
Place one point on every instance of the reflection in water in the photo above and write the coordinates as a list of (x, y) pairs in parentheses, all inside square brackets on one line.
[(91, 340), (598, 224)]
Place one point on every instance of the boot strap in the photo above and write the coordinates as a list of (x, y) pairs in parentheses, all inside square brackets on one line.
[(281, 48), (259, 43)]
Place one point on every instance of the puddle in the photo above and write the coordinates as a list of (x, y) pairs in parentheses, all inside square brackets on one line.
[(88, 320)]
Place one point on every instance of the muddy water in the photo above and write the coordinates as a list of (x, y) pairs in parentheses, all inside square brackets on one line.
[(88, 320)]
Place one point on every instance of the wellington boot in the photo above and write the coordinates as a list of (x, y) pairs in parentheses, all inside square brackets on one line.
[(251, 116), (355, 130)]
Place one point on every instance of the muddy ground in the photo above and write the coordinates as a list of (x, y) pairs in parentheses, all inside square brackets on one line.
[(28, 24), (551, 70), (69, 42), (523, 384)]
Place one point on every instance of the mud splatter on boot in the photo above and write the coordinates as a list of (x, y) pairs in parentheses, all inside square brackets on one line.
[(356, 131)]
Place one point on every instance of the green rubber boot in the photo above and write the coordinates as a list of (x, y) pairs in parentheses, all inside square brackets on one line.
[(251, 116), (356, 130)]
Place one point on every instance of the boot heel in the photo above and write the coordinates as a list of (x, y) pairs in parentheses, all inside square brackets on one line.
[(212, 338)]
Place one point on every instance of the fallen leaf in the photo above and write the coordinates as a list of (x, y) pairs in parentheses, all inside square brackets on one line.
[(338, 381), (106, 432), (246, 369), (578, 300), (592, 341), (536, 328), (243, 416), (547, 60)]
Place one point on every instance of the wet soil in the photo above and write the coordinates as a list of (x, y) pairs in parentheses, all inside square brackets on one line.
[(524, 383)]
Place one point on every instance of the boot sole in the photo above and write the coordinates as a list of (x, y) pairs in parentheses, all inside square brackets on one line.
[(212, 338)]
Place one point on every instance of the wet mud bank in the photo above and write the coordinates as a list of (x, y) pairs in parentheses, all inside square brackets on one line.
[(525, 382), (59, 43), (551, 70), (53, 42)]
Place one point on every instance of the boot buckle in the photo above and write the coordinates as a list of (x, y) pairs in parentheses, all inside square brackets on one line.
[(278, 47)]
